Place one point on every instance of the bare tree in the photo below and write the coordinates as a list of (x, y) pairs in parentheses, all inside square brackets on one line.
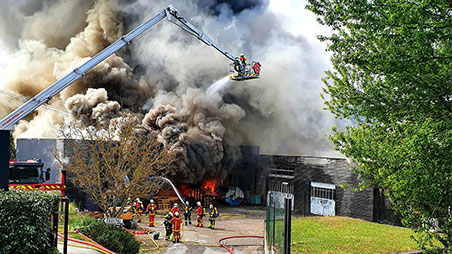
[(115, 163)]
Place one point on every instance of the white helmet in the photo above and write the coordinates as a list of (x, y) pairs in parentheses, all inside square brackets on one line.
[(241, 54), (152, 201), (186, 202), (170, 214), (175, 204), (211, 206), (176, 214), (138, 199), (198, 203)]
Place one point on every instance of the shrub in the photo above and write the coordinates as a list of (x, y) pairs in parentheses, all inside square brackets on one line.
[(110, 237), (25, 220)]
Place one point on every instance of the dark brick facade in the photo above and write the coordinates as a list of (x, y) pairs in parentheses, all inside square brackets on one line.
[(308, 169)]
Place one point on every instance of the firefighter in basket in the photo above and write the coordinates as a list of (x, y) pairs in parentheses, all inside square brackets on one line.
[(243, 59)]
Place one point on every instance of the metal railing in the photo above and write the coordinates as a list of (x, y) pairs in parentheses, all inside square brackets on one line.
[(278, 221)]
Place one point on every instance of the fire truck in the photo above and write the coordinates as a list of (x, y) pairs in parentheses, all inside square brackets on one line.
[(31, 175)]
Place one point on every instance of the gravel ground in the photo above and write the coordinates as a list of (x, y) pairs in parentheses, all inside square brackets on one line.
[(232, 221)]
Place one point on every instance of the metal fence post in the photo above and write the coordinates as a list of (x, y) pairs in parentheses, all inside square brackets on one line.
[(66, 223), (274, 222), (287, 225), (55, 228)]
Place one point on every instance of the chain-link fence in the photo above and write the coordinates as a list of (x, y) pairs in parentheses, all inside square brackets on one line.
[(278, 219)]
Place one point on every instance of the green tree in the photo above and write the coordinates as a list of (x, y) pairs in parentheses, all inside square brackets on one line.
[(392, 77), (12, 147)]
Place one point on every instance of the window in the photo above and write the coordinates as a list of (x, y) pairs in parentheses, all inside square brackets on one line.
[(281, 186), (322, 199)]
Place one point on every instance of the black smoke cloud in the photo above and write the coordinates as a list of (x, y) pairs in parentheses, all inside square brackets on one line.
[(163, 75)]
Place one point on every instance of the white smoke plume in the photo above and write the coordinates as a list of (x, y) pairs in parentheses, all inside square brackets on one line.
[(41, 58), (167, 75)]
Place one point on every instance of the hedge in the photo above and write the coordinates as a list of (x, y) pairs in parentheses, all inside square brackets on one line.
[(25, 220), (112, 238)]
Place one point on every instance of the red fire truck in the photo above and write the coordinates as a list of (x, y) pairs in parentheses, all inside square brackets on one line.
[(30, 175)]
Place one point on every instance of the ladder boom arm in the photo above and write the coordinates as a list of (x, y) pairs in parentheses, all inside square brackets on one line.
[(47, 94), (187, 26)]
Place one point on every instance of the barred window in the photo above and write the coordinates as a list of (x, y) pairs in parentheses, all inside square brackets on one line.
[(322, 199), (281, 186), (323, 190)]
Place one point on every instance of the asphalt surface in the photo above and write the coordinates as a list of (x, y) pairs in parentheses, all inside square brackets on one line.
[(77, 250), (232, 221)]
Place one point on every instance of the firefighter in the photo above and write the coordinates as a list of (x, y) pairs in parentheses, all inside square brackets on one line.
[(168, 226), (177, 227), (187, 213), (139, 209), (243, 59), (200, 213), (175, 209), (151, 212), (213, 214)]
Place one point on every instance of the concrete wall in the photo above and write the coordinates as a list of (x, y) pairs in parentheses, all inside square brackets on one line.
[(40, 149)]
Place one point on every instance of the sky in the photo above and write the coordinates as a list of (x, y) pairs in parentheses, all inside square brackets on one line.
[(299, 20)]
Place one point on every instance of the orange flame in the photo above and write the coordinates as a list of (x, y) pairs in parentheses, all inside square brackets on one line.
[(185, 190), (209, 186)]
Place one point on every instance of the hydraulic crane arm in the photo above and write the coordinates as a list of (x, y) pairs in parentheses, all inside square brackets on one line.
[(47, 94), (187, 26)]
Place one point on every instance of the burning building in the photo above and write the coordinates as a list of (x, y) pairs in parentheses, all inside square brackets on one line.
[(320, 185), (174, 85)]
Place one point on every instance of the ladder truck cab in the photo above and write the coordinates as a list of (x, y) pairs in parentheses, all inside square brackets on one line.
[(28, 172), (30, 175)]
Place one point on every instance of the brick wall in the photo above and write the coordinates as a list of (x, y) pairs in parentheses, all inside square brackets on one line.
[(325, 170)]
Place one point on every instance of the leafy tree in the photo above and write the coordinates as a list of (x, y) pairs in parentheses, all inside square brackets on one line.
[(392, 77), (115, 163)]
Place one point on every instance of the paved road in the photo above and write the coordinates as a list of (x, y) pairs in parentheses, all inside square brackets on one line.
[(77, 250)]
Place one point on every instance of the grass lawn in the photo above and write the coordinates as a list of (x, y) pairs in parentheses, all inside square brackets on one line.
[(75, 219), (347, 235)]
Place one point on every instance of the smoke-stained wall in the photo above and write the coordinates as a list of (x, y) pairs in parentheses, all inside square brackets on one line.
[(163, 76), (335, 171)]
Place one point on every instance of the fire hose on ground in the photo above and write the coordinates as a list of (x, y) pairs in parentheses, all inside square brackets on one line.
[(231, 251), (219, 241), (91, 244), (142, 232)]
